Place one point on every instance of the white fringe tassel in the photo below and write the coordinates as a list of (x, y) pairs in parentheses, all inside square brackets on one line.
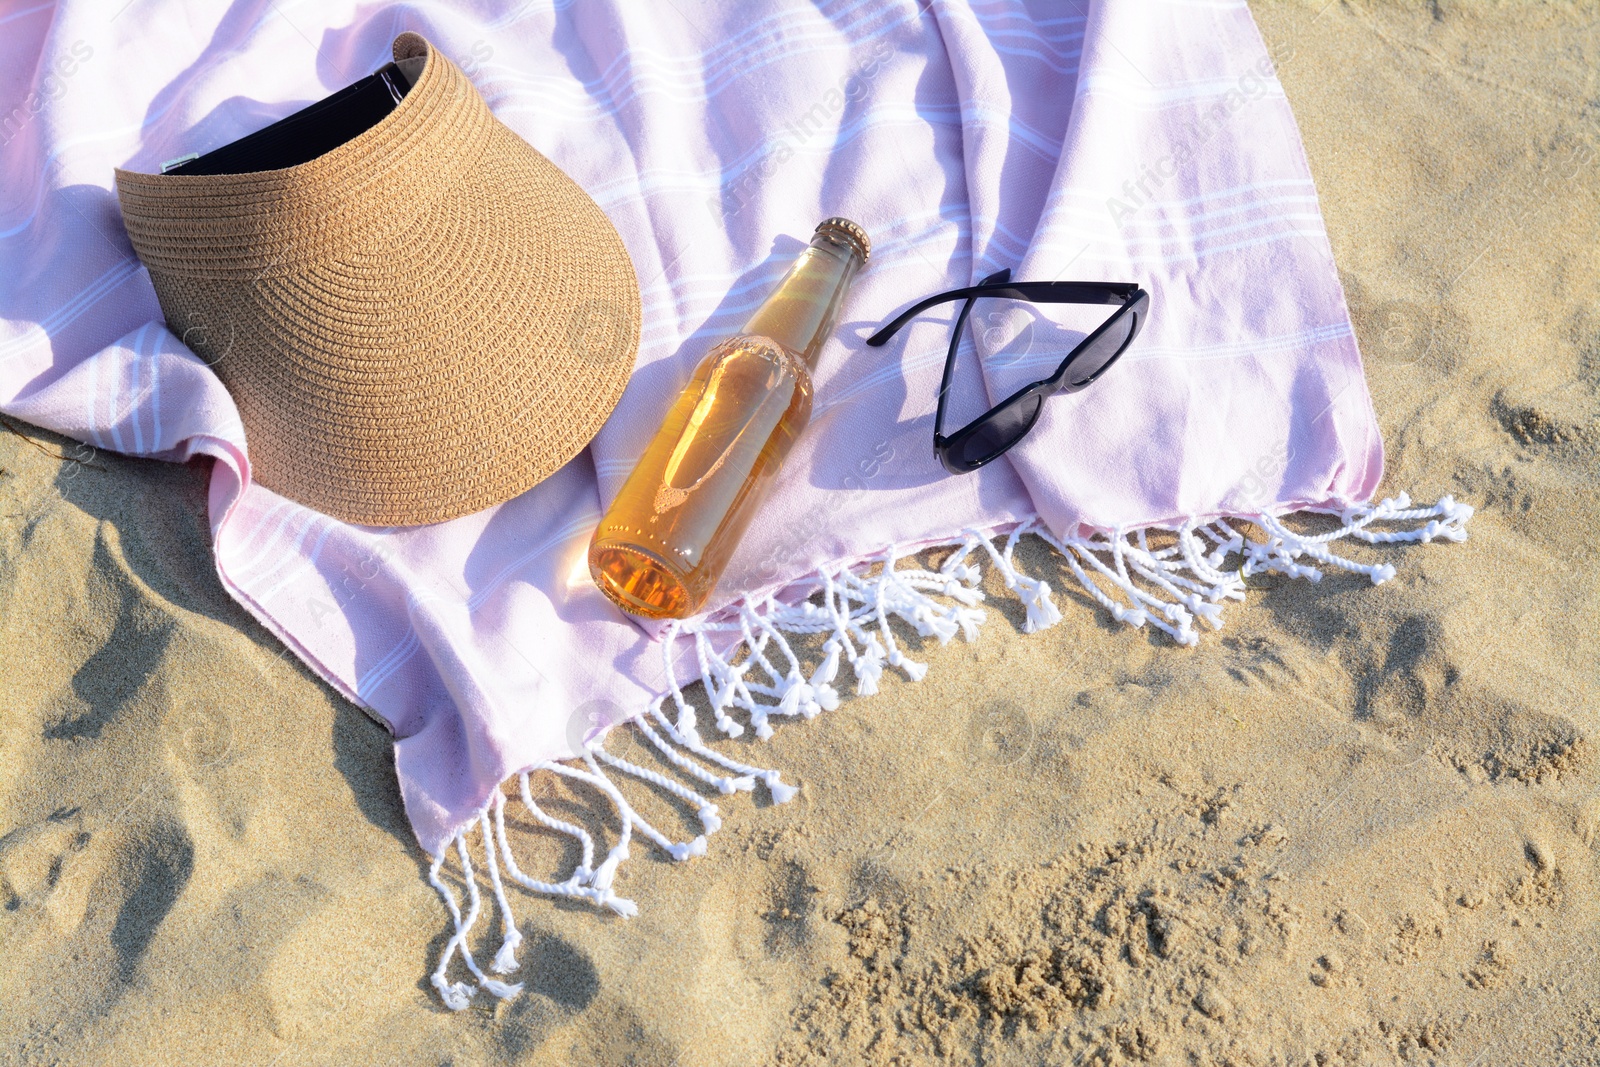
[(587, 881), (747, 665)]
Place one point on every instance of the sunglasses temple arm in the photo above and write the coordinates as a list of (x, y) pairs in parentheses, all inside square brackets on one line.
[(950, 366), (967, 293), (912, 312), (1035, 292)]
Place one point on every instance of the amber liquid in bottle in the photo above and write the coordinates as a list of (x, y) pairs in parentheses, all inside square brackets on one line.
[(669, 533)]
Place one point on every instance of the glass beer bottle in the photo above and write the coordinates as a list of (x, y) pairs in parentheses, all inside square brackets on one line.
[(667, 536)]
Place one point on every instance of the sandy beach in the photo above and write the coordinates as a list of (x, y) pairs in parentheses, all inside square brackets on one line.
[(1357, 826)]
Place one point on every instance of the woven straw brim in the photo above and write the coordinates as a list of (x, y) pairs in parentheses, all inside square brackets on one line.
[(424, 322)]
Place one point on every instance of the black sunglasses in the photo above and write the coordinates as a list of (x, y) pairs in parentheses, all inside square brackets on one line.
[(1002, 426)]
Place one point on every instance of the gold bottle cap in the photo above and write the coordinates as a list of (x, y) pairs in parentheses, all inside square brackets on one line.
[(848, 232)]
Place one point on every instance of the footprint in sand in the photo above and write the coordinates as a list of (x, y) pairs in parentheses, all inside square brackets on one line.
[(1451, 707), (35, 859), (1287, 670)]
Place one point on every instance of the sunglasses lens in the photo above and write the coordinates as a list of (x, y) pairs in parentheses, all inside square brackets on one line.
[(999, 431), (1094, 359)]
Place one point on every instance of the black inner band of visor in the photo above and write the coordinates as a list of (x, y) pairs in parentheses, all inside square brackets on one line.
[(310, 132)]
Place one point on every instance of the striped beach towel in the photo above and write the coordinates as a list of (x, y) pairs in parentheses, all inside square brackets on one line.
[(1142, 141)]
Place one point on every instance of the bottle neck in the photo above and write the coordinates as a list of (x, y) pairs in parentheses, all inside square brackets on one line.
[(800, 313)]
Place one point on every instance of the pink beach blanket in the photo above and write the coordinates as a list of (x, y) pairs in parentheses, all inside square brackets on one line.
[(1143, 141)]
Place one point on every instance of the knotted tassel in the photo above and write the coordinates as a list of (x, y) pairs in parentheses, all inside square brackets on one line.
[(1205, 609), (825, 696), (869, 667), (502, 989), (457, 996), (1035, 596), (910, 667), (682, 850), (780, 792), (604, 873)]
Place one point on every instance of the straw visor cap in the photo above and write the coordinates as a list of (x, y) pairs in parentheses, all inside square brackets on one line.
[(423, 322)]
